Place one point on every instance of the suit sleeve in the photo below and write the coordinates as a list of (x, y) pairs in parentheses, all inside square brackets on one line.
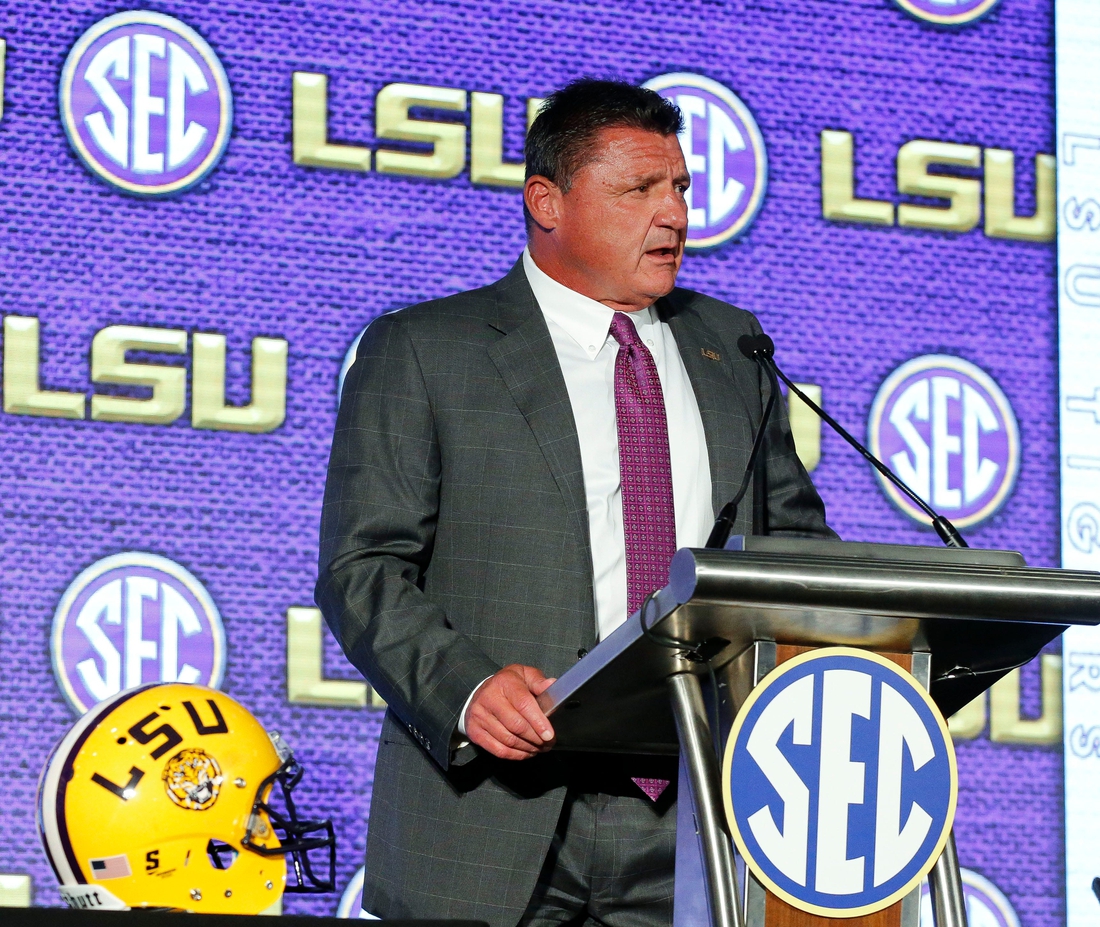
[(378, 525)]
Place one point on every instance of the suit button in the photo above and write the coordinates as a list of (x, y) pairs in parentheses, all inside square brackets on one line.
[(583, 652), (427, 744)]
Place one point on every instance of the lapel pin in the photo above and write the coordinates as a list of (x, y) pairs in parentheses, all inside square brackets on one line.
[(712, 355)]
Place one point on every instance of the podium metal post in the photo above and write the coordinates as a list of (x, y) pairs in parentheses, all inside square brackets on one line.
[(702, 765), (945, 885)]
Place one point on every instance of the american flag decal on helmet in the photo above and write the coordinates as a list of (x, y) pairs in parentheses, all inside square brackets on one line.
[(109, 867)]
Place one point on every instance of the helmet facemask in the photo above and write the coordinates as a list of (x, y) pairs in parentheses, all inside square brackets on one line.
[(309, 845)]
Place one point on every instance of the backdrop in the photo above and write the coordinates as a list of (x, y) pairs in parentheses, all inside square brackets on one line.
[(193, 205)]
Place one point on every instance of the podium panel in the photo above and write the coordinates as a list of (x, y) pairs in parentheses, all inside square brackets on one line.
[(777, 912), (781, 914)]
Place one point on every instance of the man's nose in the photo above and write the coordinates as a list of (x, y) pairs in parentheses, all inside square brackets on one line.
[(673, 213)]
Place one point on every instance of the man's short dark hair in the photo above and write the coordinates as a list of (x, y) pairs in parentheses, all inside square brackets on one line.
[(562, 138)]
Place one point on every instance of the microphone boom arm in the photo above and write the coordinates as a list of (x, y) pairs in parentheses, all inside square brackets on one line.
[(948, 533)]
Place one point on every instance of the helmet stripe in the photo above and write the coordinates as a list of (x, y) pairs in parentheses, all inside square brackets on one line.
[(53, 828), (47, 798)]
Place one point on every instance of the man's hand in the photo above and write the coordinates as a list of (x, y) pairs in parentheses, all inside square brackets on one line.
[(504, 716)]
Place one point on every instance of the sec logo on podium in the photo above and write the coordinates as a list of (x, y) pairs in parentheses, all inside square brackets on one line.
[(840, 782)]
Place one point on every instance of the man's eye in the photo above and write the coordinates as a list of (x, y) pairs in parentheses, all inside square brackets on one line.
[(642, 188)]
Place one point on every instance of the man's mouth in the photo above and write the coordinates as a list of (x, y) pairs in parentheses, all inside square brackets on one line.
[(663, 254)]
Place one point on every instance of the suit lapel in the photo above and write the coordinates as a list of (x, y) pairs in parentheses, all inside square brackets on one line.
[(724, 408), (726, 390), (528, 364)]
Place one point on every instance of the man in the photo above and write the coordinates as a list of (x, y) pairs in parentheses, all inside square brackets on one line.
[(512, 470)]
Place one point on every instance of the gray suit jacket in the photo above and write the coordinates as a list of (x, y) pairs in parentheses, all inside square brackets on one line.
[(454, 541)]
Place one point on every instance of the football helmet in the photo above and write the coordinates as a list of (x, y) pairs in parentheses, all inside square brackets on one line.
[(174, 796)]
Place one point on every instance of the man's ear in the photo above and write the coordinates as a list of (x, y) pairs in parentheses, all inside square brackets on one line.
[(542, 197)]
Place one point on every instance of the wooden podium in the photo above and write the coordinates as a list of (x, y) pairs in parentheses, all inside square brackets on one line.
[(956, 620)]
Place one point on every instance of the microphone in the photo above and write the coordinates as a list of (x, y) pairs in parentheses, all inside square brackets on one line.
[(761, 348), (723, 524)]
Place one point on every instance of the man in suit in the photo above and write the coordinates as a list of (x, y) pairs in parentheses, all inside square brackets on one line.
[(512, 469)]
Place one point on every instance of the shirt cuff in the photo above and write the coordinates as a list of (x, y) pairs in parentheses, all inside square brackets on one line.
[(462, 715)]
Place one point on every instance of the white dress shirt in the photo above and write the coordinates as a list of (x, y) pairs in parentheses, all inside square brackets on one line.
[(581, 331)]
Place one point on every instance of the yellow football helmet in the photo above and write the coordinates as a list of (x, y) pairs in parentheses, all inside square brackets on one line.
[(162, 796)]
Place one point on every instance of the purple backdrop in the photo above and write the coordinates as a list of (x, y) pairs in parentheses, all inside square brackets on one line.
[(263, 247)]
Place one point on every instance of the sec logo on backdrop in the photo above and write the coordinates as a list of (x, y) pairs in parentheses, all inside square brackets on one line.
[(725, 155), (946, 428), (948, 12), (134, 618), (986, 905), (345, 367), (840, 782), (351, 901), (145, 103)]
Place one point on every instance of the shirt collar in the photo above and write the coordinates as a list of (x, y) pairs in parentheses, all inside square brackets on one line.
[(585, 320)]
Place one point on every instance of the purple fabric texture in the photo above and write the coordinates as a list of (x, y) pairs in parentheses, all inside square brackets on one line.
[(645, 469), (265, 247)]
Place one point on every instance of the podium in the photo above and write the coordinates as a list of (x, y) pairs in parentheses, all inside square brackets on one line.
[(956, 620)]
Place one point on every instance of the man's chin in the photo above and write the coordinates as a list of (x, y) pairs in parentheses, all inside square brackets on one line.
[(661, 283)]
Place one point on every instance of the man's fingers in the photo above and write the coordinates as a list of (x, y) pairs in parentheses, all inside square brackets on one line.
[(534, 718), (487, 732), (540, 686), (504, 717), (496, 713), (515, 722), (532, 677), (511, 701), (534, 684), (509, 739), (495, 747)]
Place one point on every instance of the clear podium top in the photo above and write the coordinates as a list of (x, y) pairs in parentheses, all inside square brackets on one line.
[(979, 613)]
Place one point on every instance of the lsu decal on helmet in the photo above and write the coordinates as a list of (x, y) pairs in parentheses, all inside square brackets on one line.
[(174, 796)]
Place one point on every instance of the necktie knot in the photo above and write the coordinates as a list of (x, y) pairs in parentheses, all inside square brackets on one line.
[(623, 330)]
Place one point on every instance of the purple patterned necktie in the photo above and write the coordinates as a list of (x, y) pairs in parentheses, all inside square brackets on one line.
[(645, 470), (649, 520)]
